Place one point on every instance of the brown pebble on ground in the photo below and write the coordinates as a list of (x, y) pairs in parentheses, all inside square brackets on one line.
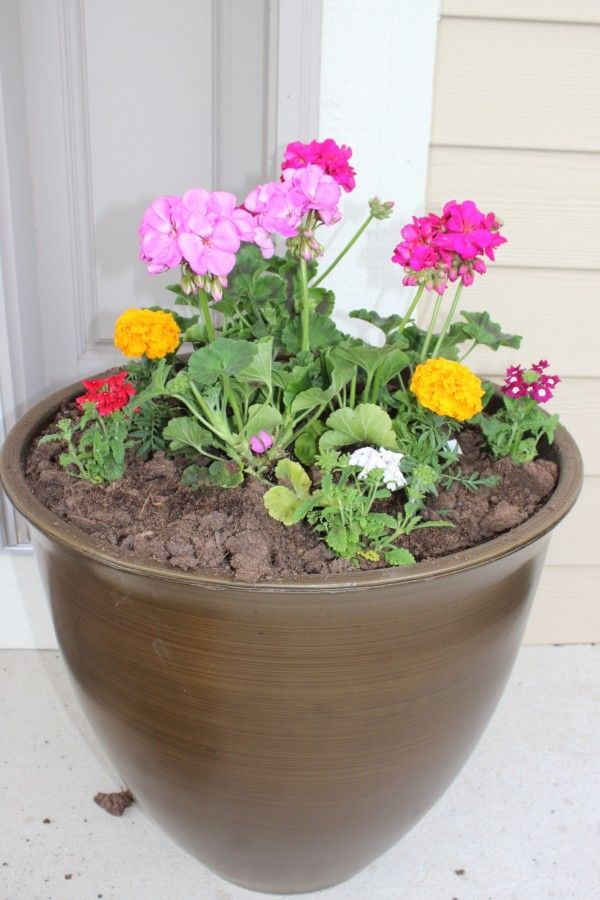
[(47, 821), (115, 803)]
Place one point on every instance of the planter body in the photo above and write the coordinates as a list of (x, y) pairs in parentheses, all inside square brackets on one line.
[(287, 735)]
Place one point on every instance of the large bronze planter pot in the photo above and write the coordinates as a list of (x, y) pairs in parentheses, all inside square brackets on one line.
[(287, 734)]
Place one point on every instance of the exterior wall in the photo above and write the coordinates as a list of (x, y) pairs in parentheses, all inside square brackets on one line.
[(514, 128), (376, 84)]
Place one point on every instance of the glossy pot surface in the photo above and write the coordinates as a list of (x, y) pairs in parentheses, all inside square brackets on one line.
[(287, 734)]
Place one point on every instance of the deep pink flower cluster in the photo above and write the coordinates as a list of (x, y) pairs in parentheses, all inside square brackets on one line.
[(330, 157), (531, 382), (436, 250)]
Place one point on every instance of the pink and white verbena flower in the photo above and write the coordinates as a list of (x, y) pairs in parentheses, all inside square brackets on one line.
[(436, 250), (532, 382)]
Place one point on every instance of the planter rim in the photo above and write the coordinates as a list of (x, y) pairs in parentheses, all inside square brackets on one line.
[(12, 476)]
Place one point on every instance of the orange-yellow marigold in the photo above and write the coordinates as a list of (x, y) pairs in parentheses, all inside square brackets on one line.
[(146, 332), (447, 388)]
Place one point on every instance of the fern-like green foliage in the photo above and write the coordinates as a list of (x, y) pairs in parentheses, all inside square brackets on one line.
[(95, 445)]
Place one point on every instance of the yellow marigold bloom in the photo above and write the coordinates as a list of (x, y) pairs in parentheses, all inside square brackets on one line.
[(146, 332), (447, 388)]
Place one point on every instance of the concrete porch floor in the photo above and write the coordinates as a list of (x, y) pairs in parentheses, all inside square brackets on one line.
[(521, 822)]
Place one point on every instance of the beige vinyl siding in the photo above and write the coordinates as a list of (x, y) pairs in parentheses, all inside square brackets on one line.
[(516, 127)]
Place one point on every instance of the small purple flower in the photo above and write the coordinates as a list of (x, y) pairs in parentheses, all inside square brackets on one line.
[(261, 442)]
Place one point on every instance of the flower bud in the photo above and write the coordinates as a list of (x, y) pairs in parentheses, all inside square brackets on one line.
[(261, 442), (379, 209)]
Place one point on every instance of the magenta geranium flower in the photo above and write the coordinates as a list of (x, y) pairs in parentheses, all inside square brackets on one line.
[(332, 159), (158, 234), (439, 249), (424, 262)]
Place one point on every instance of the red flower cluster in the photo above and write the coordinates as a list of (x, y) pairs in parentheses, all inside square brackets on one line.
[(108, 394), (530, 382), (326, 154), (439, 249)]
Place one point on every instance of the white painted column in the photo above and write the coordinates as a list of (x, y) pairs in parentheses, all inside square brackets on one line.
[(376, 96)]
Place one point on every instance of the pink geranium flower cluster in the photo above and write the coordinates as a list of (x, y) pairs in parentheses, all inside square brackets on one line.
[(331, 158), (436, 250), (204, 229), (280, 206), (531, 382)]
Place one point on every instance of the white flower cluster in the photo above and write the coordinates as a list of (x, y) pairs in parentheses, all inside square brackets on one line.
[(370, 458), (453, 445)]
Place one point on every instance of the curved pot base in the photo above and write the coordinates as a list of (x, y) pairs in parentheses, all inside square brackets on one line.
[(287, 742)]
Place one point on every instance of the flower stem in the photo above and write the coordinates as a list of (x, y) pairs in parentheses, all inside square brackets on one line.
[(448, 320), (305, 308), (352, 403), (411, 308), (343, 252), (204, 309), (233, 403), (434, 315)]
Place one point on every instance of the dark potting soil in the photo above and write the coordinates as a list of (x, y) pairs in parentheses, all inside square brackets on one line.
[(150, 516)]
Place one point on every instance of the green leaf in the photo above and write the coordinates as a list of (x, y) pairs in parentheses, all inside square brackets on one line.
[(223, 357), (281, 504), (225, 473), (221, 473), (365, 424), (262, 417), (184, 431), (306, 446), (362, 355), (312, 397), (290, 474), (259, 369), (322, 333), (479, 327), (387, 324), (337, 539), (393, 361), (399, 556)]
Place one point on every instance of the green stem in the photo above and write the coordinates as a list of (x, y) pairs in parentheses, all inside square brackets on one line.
[(434, 315), (305, 308), (204, 309), (353, 390), (210, 331), (233, 403), (468, 351), (343, 252), (367, 388), (448, 320), (411, 308)]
